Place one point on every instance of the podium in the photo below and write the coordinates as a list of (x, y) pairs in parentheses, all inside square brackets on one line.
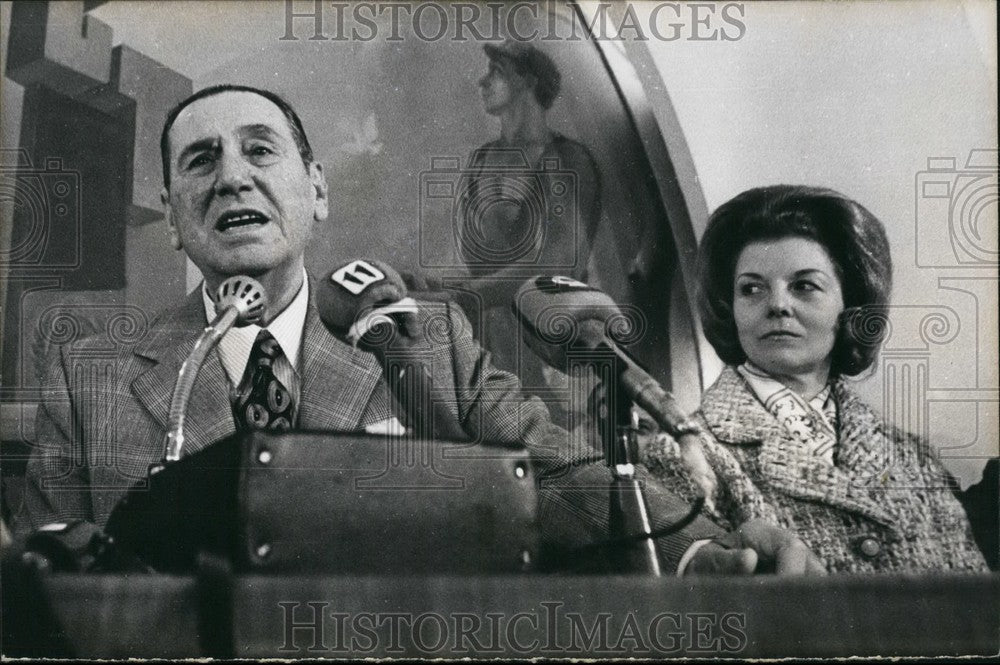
[(321, 546), (513, 616), (337, 503)]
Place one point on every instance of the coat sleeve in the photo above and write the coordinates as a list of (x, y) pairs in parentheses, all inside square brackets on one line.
[(57, 479), (950, 523), (573, 481)]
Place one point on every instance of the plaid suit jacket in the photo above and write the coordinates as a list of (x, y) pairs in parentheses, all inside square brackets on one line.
[(99, 427), (886, 506)]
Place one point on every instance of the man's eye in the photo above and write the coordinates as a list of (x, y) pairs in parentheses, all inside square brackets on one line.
[(199, 160), (260, 151)]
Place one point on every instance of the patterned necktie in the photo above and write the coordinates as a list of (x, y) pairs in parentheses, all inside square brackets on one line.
[(262, 402)]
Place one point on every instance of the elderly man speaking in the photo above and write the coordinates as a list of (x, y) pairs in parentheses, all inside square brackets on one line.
[(243, 195)]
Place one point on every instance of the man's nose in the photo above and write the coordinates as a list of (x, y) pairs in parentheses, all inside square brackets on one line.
[(483, 80), (233, 175)]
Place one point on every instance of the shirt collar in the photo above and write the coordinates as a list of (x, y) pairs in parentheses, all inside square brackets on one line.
[(764, 386), (287, 327)]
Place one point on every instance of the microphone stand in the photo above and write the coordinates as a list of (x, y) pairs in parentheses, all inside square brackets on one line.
[(239, 299), (629, 524), (207, 341)]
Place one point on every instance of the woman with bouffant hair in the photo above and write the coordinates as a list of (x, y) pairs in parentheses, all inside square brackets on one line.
[(794, 283)]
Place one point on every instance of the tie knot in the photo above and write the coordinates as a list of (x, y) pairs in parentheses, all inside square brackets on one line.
[(265, 346)]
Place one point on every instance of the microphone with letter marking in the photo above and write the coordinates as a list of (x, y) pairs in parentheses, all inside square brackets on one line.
[(366, 301)]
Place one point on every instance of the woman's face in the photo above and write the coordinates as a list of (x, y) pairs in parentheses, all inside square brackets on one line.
[(786, 302)]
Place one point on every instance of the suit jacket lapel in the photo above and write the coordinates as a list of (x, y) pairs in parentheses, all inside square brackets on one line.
[(863, 445), (337, 380), (736, 416), (209, 416)]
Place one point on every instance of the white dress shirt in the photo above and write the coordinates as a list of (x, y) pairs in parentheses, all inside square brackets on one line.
[(287, 328)]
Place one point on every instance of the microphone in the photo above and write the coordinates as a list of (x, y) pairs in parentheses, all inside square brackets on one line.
[(562, 316), (239, 300), (366, 301)]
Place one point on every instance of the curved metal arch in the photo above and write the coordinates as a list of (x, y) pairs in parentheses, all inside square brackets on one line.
[(648, 105)]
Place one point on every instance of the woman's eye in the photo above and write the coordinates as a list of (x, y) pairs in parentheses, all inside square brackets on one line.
[(806, 286), (749, 289)]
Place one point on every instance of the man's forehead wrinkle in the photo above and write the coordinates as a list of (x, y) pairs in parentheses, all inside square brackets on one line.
[(261, 130), (255, 130)]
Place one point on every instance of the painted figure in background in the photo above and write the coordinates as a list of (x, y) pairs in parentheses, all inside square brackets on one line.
[(531, 202)]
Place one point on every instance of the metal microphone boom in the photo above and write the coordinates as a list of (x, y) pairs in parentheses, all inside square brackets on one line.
[(239, 299)]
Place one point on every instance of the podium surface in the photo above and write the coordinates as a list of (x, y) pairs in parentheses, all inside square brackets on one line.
[(258, 616)]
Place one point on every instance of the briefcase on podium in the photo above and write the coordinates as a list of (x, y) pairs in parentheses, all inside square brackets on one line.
[(337, 503)]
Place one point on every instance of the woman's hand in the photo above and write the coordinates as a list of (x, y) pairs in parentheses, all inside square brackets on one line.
[(756, 547)]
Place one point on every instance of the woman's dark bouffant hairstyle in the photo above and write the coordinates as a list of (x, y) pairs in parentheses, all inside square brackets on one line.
[(853, 237)]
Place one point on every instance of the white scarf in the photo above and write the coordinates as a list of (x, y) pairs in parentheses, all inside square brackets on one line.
[(810, 423)]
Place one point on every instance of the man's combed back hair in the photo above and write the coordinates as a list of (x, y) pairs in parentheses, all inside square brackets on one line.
[(853, 237), (294, 124)]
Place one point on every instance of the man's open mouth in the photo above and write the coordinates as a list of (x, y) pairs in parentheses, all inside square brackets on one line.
[(240, 218)]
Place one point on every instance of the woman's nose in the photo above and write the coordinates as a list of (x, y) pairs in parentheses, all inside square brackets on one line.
[(778, 303)]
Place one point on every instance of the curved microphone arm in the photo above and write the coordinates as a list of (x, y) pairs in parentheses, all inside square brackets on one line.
[(239, 300)]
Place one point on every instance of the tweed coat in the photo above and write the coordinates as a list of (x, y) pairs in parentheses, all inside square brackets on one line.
[(886, 505), (98, 430)]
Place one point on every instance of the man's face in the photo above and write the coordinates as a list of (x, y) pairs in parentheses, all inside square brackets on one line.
[(501, 86), (241, 200)]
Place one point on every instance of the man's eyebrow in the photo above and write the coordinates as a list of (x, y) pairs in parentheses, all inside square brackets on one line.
[(259, 131), (197, 146)]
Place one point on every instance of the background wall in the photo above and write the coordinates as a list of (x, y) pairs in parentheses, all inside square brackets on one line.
[(856, 95)]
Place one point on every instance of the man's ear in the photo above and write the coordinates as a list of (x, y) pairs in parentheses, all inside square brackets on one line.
[(175, 236), (321, 201)]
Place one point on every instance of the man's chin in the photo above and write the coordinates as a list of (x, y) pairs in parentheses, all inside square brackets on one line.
[(257, 267)]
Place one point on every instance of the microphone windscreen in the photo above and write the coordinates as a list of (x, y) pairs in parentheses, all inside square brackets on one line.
[(245, 294), (560, 313), (352, 290)]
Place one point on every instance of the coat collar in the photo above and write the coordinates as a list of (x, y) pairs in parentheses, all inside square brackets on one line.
[(735, 416), (171, 338), (337, 380)]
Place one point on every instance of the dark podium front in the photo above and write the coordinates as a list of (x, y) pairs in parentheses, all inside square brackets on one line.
[(293, 546), (154, 616)]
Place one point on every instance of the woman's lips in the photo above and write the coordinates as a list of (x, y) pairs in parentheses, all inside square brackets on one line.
[(780, 334)]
